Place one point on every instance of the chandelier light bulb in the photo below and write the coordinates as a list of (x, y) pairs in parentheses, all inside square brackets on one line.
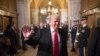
[(49, 3)]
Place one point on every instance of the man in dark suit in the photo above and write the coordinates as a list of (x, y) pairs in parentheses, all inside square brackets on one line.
[(11, 37), (83, 34), (51, 40), (94, 47), (73, 35)]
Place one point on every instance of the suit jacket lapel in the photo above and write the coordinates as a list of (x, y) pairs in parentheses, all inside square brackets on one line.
[(59, 34), (50, 38)]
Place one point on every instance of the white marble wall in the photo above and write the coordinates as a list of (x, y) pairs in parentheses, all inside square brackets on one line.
[(64, 15), (73, 10), (23, 9), (35, 16), (76, 9)]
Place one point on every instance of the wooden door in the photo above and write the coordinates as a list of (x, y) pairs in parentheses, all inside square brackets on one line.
[(5, 22)]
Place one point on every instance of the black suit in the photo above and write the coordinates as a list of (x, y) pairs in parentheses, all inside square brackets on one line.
[(12, 36), (73, 35), (94, 47), (44, 39), (84, 34)]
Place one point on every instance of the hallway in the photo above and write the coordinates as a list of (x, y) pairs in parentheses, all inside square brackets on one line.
[(29, 52), (15, 14), (32, 52)]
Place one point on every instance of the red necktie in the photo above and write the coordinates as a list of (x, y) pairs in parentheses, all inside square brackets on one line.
[(56, 44)]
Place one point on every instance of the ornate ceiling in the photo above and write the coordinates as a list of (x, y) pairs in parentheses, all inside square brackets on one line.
[(36, 4)]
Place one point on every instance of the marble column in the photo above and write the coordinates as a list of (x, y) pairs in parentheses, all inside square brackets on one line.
[(23, 9), (35, 16), (64, 15), (73, 10)]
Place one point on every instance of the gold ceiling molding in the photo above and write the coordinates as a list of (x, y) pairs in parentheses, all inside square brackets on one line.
[(62, 3), (32, 4), (36, 4), (43, 3)]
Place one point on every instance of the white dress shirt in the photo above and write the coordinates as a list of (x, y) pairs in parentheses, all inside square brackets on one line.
[(52, 34)]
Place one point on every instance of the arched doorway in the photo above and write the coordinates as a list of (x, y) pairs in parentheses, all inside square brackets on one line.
[(38, 8)]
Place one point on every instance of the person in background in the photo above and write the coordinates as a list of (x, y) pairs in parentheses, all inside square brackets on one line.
[(11, 37), (22, 37), (82, 36), (73, 34), (64, 27), (26, 30), (94, 47), (41, 25)]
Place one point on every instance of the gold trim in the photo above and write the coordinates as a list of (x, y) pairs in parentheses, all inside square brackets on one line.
[(2, 12)]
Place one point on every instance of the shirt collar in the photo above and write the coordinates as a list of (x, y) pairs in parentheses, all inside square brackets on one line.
[(51, 28), (84, 25)]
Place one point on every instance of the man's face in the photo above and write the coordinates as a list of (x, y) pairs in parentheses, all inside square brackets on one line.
[(54, 23), (41, 24), (83, 22)]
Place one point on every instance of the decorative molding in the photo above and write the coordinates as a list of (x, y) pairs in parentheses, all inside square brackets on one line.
[(92, 11), (5, 13)]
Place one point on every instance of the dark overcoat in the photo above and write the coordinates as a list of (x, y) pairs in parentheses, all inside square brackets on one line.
[(44, 40)]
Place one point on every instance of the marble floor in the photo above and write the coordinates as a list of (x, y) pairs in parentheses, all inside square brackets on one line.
[(32, 52)]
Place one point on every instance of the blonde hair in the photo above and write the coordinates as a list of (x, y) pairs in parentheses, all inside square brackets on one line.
[(55, 17)]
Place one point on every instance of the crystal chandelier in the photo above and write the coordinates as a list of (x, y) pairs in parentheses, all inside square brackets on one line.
[(49, 9)]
